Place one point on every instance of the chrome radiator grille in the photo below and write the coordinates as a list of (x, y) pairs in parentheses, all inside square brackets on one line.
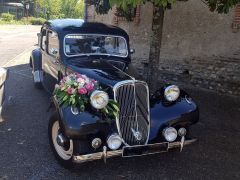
[(134, 121)]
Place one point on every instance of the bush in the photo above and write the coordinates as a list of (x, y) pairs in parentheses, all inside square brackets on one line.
[(33, 20), (37, 21), (7, 17)]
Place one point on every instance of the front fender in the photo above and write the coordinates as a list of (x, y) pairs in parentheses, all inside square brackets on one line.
[(36, 59), (84, 124), (179, 114)]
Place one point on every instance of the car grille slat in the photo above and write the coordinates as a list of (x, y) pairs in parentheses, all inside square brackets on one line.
[(133, 99)]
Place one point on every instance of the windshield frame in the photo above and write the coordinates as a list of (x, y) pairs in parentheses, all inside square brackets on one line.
[(96, 54)]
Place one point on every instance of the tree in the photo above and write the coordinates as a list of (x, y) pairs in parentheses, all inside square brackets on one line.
[(103, 6), (53, 9)]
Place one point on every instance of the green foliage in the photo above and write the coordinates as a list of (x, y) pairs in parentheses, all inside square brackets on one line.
[(33, 20), (111, 110), (125, 3), (37, 21), (54, 9), (7, 17), (103, 6), (221, 6), (72, 8), (25, 21)]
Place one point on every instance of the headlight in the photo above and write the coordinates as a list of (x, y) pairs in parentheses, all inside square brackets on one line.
[(99, 99), (170, 134), (182, 132), (172, 93), (114, 142)]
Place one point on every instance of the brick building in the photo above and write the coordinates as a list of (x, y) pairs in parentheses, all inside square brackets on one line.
[(199, 48)]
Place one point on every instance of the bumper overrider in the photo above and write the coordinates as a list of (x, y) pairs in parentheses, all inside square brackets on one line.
[(131, 151)]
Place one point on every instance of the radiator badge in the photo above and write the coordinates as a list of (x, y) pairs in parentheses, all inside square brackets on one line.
[(137, 134)]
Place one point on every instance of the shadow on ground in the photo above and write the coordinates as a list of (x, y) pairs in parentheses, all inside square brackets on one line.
[(25, 152)]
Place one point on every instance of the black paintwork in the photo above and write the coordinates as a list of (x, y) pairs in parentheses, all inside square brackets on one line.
[(64, 27), (107, 71)]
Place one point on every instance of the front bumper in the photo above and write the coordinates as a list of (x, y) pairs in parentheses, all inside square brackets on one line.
[(109, 154)]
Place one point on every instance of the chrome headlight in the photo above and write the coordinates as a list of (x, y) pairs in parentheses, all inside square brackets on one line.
[(99, 99), (182, 132), (170, 134), (172, 93), (114, 141)]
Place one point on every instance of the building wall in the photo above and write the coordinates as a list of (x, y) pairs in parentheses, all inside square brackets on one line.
[(199, 48)]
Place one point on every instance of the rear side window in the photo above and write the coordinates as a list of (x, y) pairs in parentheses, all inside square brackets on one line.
[(53, 43), (44, 39)]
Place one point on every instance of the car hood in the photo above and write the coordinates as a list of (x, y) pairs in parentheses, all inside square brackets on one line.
[(100, 70)]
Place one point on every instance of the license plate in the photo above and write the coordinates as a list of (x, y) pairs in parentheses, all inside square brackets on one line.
[(129, 151)]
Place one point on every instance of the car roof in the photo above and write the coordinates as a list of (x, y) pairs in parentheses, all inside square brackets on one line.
[(71, 26)]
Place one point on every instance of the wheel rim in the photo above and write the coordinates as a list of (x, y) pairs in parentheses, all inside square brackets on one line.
[(64, 154)]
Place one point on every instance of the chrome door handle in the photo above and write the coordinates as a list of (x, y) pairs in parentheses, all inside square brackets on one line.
[(55, 62)]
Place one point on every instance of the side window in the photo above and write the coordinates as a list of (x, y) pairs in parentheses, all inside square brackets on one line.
[(44, 39), (53, 43)]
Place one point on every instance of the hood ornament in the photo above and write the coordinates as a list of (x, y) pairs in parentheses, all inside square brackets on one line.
[(137, 134)]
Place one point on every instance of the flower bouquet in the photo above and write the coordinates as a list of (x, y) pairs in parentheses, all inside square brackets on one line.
[(79, 91)]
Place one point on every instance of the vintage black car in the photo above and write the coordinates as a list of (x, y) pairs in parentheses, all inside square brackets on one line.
[(148, 122)]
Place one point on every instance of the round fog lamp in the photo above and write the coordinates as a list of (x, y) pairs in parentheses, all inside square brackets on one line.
[(182, 132), (96, 143), (114, 141), (170, 134)]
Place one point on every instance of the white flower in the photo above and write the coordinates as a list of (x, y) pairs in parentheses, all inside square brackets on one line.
[(81, 81), (87, 80), (68, 80), (84, 76), (57, 86)]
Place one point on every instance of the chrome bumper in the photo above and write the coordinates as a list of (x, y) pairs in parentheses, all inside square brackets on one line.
[(109, 154)]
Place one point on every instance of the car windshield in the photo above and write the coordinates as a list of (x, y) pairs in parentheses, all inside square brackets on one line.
[(77, 45)]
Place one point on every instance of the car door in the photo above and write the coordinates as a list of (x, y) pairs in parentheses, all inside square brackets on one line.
[(50, 60)]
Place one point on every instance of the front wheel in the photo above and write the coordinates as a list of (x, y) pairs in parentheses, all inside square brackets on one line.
[(62, 151)]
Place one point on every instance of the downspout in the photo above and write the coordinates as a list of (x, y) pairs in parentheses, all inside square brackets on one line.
[(85, 11)]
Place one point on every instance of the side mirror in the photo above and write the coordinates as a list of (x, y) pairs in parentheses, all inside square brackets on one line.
[(132, 51)]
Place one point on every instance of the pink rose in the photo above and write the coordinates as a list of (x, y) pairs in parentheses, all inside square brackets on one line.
[(94, 81), (89, 87), (70, 90), (82, 91), (79, 75), (61, 85)]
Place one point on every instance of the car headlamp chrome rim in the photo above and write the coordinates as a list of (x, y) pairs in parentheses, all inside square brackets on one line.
[(99, 99), (170, 134), (114, 141), (171, 93)]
